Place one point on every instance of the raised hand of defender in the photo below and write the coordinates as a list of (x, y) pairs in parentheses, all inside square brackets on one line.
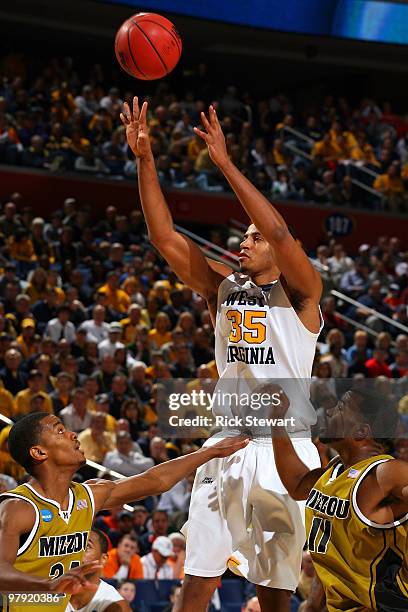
[(75, 579), (214, 138), (226, 447), (137, 133)]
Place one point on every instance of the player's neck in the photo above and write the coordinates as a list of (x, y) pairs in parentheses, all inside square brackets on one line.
[(265, 278), (80, 600), (54, 485), (350, 455)]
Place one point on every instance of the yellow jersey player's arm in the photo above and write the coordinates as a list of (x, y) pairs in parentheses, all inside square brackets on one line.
[(291, 260), (392, 479), (17, 518), (156, 480), (184, 257), (294, 474)]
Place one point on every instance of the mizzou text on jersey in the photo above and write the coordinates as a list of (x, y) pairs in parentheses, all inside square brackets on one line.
[(55, 544), (361, 564)]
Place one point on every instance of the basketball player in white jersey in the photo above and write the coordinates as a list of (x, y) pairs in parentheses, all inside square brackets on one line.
[(267, 322)]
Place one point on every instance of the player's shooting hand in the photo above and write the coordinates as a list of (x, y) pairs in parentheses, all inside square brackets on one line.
[(214, 138), (137, 133), (279, 401), (75, 579), (228, 446)]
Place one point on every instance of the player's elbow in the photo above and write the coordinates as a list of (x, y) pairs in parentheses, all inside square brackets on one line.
[(278, 232), (160, 239), (298, 495), (295, 490)]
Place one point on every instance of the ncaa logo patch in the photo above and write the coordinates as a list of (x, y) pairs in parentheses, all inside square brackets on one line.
[(46, 515), (81, 504)]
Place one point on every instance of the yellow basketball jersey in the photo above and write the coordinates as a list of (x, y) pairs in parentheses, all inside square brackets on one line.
[(55, 544), (361, 564)]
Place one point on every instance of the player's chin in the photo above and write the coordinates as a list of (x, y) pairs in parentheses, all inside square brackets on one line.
[(244, 268)]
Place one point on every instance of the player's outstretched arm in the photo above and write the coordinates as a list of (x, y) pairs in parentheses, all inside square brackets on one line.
[(290, 257), (16, 518), (185, 258), (162, 477), (294, 474)]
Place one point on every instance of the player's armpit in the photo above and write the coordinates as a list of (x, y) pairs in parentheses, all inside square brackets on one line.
[(219, 267)]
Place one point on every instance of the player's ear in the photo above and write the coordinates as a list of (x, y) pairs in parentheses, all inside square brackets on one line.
[(38, 453), (104, 558), (362, 431)]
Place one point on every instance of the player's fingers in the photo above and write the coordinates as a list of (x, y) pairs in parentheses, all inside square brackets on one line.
[(143, 114), (213, 117), (87, 568), (136, 107), (203, 135), (127, 112), (206, 123), (124, 119)]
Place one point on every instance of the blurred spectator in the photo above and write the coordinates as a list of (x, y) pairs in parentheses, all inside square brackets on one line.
[(95, 441), (75, 416), (159, 526), (124, 562), (110, 345), (156, 564), (252, 605), (127, 589), (377, 366), (61, 327), (124, 459), (23, 398)]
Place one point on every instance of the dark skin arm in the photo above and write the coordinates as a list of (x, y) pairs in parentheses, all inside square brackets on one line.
[(119, 606), (160, 478), (294, 474), (16, 518), (290, 257), (183, 255), (383, 494)]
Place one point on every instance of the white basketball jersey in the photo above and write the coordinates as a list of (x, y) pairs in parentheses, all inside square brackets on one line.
[(259, 335), (103, 598)]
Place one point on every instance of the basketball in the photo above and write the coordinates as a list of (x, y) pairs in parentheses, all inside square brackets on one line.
[(148, 46)]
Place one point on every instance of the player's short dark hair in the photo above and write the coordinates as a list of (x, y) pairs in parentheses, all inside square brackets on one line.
[(378, 412), (25, 434), (102, 539)]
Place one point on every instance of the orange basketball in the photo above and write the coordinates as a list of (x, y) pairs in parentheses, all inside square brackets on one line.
[(148, 46)]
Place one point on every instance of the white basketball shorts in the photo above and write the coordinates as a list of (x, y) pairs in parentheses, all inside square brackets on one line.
[(242, 517)]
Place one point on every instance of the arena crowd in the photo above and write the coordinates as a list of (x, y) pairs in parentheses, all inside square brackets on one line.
[(327, 152), (92, 320)]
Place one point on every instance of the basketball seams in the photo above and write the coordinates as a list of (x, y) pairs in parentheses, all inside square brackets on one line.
[(131, 52), (176, 38), (152, 45)]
